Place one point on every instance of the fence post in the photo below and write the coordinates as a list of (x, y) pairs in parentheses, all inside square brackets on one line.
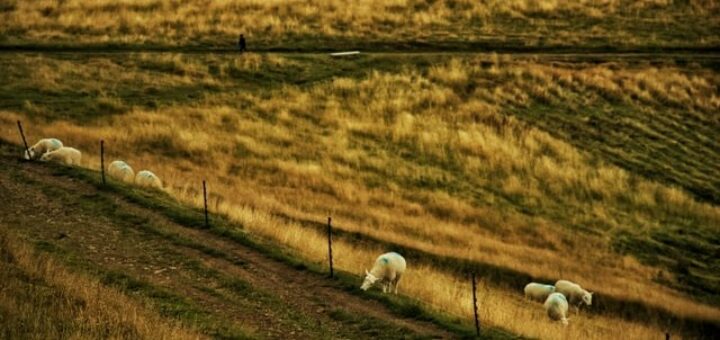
[(329, 235), (102, 160), (22, 134), (667, 335), (207, 221), (475, 309)]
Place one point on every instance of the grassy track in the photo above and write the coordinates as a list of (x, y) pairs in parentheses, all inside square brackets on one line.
[(220, 286)]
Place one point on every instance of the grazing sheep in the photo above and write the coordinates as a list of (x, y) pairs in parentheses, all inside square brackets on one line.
[(42, 147), (64, 155), (538, 291), (121, 171), (575, 294), (387, 270), (556, 307), (146, 178)]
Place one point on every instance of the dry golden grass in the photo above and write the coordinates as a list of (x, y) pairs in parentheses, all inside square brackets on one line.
[(40, 299), (408, 158), (284, 23), (441, 291)]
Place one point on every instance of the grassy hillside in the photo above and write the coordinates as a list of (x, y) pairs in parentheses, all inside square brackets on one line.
[(370, 25), (477, 159), (83, 259)]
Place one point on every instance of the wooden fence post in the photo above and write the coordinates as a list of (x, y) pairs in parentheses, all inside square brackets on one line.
[(207, 220), (475, 308), (329, 235), (22, 134), (102, 160)]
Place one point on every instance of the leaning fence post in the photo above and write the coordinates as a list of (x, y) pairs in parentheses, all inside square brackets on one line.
[(207, 221), (22, 134), (102, 160), (329, 235), (475, 309)]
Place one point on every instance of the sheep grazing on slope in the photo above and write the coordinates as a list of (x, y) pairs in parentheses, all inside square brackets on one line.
[(538, 291), (575, 294), (64, 155), (146, 178), (387, 271), (121, 171), (42, 147), (556, 307)]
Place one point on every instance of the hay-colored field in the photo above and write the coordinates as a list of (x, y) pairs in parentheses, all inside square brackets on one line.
[(312, 25), (40, 298), (424, 152)]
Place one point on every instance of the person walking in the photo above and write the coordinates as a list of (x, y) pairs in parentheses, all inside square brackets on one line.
[(241, 43)]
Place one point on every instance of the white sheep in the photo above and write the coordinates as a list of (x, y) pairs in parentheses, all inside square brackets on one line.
[(64, 155), (42, 147), (556, 307), (575, 294), (146, 178), (538, 291), (121, 171), (388, 270)]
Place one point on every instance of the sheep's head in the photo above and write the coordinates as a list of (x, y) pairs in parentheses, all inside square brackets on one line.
[(30, 153), (587, 298), (370, 280)]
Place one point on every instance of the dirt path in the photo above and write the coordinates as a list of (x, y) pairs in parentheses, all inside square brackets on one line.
[(690, 54), (231, 288)]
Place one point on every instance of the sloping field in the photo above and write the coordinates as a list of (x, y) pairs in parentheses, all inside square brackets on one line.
[(490, 163), (83, 260)]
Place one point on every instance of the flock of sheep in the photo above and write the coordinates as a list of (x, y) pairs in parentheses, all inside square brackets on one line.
[(557, 297), (388, 267), (53, 150)]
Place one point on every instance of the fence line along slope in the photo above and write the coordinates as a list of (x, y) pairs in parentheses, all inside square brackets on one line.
[(74, 248)]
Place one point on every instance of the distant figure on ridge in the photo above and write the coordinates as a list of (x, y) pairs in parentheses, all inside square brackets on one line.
[(241, 43)]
